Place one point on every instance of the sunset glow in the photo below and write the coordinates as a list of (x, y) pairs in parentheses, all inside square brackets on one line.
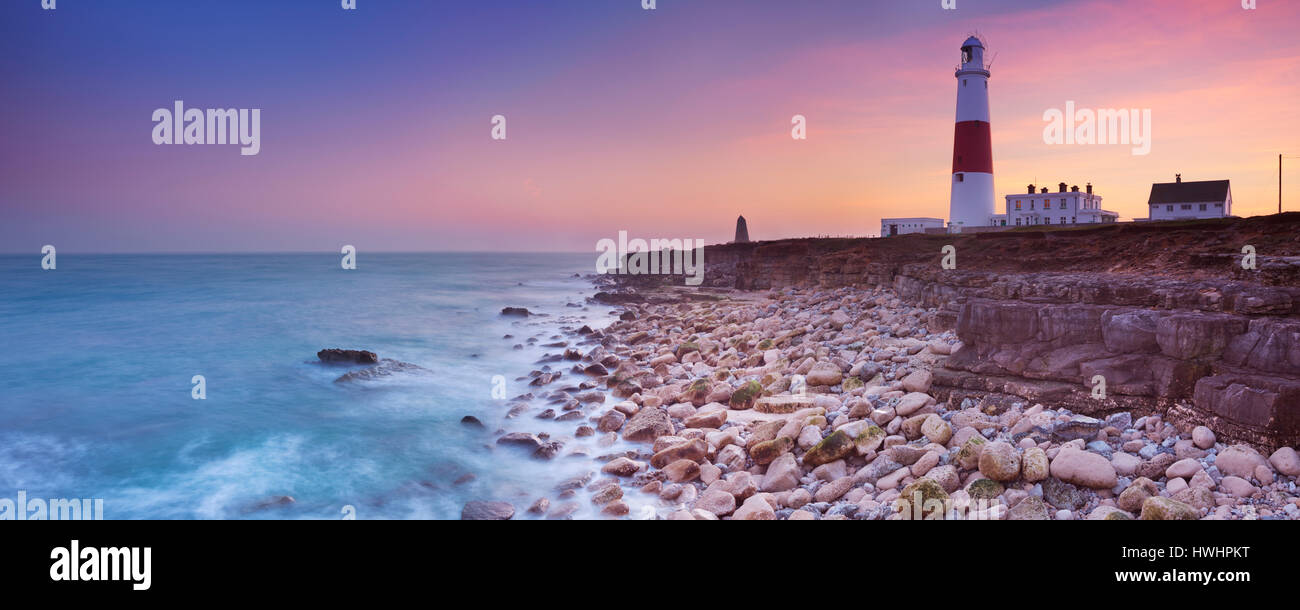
[(661, 123)]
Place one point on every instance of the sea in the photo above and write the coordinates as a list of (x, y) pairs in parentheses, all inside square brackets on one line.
[(99, 359)]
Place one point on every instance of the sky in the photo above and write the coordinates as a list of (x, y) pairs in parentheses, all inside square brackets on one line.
[(376, 123)]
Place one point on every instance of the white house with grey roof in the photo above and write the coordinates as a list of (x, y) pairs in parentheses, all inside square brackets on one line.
[(1180, 200)]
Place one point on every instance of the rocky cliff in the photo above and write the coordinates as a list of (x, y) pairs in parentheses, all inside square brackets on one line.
[(1163, 314)]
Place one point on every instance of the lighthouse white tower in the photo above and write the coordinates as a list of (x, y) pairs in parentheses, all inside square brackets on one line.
[(972, 200)]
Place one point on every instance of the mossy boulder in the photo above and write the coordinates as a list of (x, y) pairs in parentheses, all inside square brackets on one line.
[(745, 395), (933, 500), (1060, 494), (851, 383), (767, 451), (686, 348), (869, 439), (1031, 508), (837, 445), (697, 392), (1159, 508), (1136, 494), (765, 344), (985, 489), (968, 457)]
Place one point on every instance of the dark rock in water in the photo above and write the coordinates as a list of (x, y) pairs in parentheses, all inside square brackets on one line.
[(272, 502), (597, 370), (563, 511), (585, 330), (548, 450), (465, 478), (627, 315), (386, 367), (351, 356), (577, 482), (1063, 495), (470, 420), (516, 311), (487, 511), (1079, 426), (544, 379), (522, 439)]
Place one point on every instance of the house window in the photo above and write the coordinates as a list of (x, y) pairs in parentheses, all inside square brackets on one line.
[(1017, 222), (1031, 204), (1062, 204), (1017, 205), (1202, 207), (1062, 220), (1169, 208), (960, 177), (1047, 220), (1218, 205), (1185, 206), (1074, 220)]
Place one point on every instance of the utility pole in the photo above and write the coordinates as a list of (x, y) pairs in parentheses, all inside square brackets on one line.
[(1279, 184)]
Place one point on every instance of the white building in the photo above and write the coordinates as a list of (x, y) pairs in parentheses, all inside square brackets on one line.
[(1064, 207), (1184, 200), (903, 226)]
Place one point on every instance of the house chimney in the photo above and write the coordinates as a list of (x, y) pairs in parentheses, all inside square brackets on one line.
[(1044, 189), (1089, 188), (1178, 178), (1062, 187), (1074, 189), (1031, 189)]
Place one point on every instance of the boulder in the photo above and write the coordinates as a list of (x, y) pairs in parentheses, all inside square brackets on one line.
[(348, 356), (833, 447), (1000, 462), (1031, 508), (1034, 465), (782, 474), (918, 381), (1240, 461), (825, 373), (1157, 508), (647, 425), (1286, 461), (1083, 468)]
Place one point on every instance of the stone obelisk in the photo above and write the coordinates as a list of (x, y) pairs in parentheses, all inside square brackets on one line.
[(742, 231)]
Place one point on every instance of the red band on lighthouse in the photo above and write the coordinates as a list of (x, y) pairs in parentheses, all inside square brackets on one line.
[(972, 149)]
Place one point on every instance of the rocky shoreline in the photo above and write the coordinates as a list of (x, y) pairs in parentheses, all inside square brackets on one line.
[(816, 403)]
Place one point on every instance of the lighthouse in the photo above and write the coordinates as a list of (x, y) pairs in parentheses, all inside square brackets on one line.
[(972, 200)]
